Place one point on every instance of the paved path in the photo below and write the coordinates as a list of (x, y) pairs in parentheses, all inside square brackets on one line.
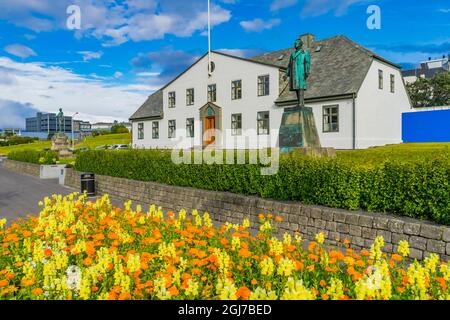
[(20, 194)]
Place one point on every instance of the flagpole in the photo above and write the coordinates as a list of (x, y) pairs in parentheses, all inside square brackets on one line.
[(209, 37)]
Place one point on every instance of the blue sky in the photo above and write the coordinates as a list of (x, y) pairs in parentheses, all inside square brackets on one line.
[(126, 49)]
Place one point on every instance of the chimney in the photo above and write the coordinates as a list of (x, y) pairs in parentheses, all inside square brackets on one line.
[(308, 40)]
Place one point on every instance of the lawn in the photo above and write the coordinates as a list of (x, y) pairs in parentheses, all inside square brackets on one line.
[(110, 139), (22, 147), (90, 142), (407, 152)]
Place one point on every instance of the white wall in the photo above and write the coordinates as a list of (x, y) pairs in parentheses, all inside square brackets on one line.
[(227, 70), (379, 112)]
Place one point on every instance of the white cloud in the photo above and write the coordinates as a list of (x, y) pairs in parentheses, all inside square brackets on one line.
[(258, 25), (90, 55), (118, 74), (115, 22), (281, 4), (148, 74), (49, 87), (313, 8), (20, 51)]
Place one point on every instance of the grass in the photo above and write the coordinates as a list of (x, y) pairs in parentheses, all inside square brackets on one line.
[(110, 139), (22, 147), (91, 142), (408, 152)]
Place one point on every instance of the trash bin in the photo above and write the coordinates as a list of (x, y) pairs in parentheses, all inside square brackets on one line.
[(88, 184)]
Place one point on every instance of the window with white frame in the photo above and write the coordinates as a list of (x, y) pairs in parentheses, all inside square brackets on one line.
[(141, 131), (331, 118), (236, 90), (172, 99), (263, 85), (380, 79), (190, 97), (172, 128), (190, 127), (392, 83), (212, 93), (236, 124), (263, 122), (155, 130)]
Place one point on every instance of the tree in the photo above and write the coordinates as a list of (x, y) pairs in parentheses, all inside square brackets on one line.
[(432, 92), (119, 128)]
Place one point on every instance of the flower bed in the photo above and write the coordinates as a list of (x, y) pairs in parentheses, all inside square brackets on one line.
[(78, 249)]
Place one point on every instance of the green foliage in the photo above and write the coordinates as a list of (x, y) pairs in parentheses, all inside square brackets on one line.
[(36, 157), (119, 128), (16, 140), (432, 92), (419, 189)]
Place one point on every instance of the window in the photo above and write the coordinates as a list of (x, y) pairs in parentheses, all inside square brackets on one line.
[(172, 99), (263, 122), (263, 85), (190, 127), (331, 119), (172, 128), (155, 130), (212, 93), (236, 124), (392, 83), (236, 90), (380, 79), (140, 131), (190, 97)]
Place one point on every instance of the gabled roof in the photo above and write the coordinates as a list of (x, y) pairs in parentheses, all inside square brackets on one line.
[(152, 108), (338, 67)]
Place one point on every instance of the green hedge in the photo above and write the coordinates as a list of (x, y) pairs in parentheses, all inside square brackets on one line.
[(36, 157), (419, 190)]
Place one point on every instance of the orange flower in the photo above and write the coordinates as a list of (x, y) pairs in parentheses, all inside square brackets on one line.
[(365, 252), (278, 219), (310, 268), (125, 296), (325, 297), (400, 289), (47, 252), (3, 283), (322, 283), (37, 291), (396, 257), (173, 291), (244, 253), (87, 262), (243, 293), (254, 282)]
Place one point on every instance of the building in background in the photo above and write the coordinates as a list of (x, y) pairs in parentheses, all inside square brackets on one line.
[(11, 131), (46, 122), (428, 69), (82, 126), (106, 126), (357, 99)]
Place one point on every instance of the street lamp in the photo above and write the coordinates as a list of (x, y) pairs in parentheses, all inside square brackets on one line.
[(73, 142)]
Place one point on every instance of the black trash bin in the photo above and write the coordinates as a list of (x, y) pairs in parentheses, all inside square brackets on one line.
[(88, 183)]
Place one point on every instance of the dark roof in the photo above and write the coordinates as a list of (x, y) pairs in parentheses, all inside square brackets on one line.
[(338, 68), (152, 108), (428, 73)]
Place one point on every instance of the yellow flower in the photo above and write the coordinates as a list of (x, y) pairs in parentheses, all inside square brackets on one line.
[(2, 223), (403, 248), (267, 267), (320, 238), (295, 290)]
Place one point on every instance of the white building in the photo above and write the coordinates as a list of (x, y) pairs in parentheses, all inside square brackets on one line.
[(428, 69), (357, 99), (106, 126)]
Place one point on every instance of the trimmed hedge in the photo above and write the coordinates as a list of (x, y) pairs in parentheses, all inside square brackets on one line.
[(419, 190), (32, 156)]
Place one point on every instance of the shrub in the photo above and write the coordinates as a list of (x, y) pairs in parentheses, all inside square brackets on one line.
[(420, 189), (36, 157), (77, 249)]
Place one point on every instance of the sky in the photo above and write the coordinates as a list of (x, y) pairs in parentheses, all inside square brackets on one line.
[(106, 63)]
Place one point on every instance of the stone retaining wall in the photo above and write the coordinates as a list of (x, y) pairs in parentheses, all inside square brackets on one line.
[(359, 227), (22, 167)]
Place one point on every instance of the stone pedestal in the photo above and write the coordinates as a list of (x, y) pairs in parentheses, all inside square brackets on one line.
[(298, 132), (60, 144)]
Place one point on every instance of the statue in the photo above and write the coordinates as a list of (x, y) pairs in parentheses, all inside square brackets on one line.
[(298, 131), (60, 142), (60, 121), (298, 71)]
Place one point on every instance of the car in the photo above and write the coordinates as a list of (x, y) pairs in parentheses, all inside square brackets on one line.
[(122, 147)]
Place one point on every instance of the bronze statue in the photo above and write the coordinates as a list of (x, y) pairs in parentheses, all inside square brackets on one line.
[(60, 121), (298, 71)]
